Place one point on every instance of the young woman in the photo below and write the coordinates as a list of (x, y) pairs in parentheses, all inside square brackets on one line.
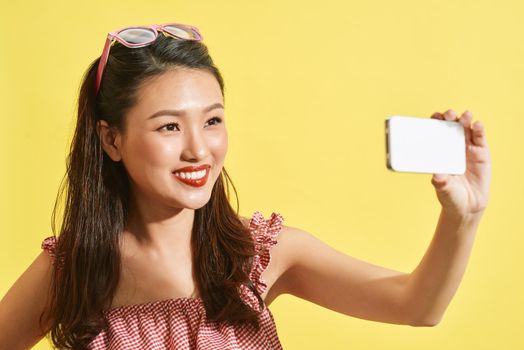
[(151, 255)]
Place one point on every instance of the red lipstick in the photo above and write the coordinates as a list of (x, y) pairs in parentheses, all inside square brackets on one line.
[(192, 175)]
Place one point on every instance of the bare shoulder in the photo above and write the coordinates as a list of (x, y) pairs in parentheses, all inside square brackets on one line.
[(24, 302)]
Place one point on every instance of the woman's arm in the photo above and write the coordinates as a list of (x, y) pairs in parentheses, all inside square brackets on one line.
[(434, 282), (316, 272), (327, 277), (21, 307)]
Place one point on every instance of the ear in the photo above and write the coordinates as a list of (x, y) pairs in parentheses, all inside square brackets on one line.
[(110, 140)]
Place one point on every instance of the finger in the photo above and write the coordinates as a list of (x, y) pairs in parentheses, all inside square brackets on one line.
[(450, 115), (437, 115), (439, 181), (479, 134), (465, 120)]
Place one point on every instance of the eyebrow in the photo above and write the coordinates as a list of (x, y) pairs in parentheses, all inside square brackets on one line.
[(176, 112)]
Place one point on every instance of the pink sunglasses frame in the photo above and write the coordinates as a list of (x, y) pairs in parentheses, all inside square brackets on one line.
[(156, 28)]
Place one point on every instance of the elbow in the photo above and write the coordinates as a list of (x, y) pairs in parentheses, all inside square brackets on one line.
[(417, 318), (425, 322)]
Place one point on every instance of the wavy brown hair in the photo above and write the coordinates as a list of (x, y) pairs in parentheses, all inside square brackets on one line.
[(95, 209)]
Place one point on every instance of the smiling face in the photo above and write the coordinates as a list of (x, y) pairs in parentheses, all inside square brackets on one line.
[(178, 122)]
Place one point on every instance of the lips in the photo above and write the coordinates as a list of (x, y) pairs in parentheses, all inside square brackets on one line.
[(189, 169), (182, 175)]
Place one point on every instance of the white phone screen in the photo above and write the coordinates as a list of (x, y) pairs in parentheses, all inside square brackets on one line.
[(425, 145)]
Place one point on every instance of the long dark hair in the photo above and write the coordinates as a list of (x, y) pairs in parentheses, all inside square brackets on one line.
[(97, 202)]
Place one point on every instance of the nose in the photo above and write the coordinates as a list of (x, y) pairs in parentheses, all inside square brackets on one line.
[(195, 144)]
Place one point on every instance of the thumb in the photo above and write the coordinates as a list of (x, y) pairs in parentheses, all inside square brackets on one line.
[(439, 180)]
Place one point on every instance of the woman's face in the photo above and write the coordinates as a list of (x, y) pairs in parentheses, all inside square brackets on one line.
[(178, 121)]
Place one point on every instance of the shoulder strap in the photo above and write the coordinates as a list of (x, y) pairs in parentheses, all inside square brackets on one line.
[(264, 233)]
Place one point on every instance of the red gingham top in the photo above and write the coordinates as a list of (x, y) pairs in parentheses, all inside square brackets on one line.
[(181, 323)]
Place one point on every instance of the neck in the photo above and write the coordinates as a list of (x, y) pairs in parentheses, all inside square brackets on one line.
[(156, 226)]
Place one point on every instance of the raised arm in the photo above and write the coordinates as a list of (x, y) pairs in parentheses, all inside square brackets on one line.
[(327, 277), (21, 307), (316, 272)]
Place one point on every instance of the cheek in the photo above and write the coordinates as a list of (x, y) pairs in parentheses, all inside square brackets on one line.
[(151, 153), (219, 144)]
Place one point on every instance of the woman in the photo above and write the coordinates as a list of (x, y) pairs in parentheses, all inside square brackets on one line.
[(151, 254)]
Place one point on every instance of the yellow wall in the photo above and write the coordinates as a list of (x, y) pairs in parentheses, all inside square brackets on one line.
[(308, 86)]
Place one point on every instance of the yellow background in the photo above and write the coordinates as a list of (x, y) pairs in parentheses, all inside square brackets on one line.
[(308, 86)]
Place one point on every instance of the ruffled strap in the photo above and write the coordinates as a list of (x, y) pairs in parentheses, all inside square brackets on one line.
[(264, 233), (49, 245)]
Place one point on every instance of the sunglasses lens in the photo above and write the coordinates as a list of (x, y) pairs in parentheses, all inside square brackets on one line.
[(137, 35), (183, 32)]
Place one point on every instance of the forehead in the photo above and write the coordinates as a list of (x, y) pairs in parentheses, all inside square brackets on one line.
[(181, 88)]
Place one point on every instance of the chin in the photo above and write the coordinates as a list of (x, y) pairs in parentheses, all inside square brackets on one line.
[(196, 202)]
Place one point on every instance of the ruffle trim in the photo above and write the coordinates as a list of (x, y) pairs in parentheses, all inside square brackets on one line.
[(49, 245), (264, 232)]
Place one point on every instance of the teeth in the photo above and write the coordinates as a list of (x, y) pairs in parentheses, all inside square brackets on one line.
[(193, 175)]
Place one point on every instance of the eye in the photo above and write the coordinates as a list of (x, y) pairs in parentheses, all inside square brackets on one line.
[(169, 124), (216, 119)]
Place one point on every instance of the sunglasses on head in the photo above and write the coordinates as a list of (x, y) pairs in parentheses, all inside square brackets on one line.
[(140, 36)]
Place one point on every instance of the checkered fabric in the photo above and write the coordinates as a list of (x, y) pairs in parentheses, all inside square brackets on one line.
[(181, 323)]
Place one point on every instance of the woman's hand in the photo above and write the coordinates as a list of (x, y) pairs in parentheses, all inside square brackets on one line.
[(466, 194)]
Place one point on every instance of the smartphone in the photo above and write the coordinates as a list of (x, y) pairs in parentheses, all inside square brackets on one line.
[(425, 145)]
